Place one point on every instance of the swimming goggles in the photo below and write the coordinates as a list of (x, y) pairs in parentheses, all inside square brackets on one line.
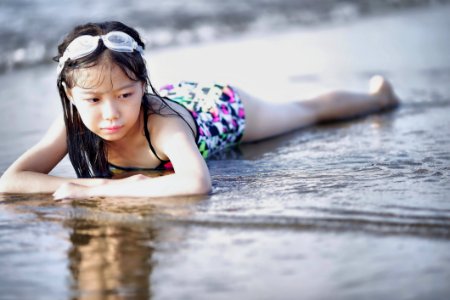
[(86, 44)]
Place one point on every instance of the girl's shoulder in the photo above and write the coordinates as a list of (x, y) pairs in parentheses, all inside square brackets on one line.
[(164, 112)]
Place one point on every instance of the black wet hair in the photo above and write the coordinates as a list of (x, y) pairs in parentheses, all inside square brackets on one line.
[(87, 151)]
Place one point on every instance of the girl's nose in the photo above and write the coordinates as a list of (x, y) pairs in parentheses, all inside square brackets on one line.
[(109, 110)]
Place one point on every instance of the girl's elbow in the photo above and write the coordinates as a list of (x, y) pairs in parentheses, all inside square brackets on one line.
[(202, 186), (206, 188), (4, 186)]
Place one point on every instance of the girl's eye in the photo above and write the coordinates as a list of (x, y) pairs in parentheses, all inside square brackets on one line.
[(125, 95), (92, 100)]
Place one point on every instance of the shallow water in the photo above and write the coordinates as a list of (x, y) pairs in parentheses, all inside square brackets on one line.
[(349, 210)]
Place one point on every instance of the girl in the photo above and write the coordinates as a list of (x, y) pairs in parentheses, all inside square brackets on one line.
[(115, 121)]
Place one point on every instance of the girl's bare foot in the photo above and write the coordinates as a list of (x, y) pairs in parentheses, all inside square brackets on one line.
[(378, 85)]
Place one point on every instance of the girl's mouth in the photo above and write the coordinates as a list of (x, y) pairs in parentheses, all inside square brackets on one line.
[(112, 129)]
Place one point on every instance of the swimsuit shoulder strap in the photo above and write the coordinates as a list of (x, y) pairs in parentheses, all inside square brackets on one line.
[(147, 136)]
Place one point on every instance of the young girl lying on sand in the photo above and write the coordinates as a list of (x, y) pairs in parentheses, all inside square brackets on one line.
[(114, 120)]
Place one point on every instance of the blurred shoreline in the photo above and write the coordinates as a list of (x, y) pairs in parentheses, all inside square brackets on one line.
[(31, 35)]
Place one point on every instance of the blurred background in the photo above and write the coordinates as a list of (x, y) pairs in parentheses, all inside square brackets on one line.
[(31, 29)]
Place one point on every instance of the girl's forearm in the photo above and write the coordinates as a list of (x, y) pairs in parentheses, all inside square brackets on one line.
[(142, 186), (33, 182)]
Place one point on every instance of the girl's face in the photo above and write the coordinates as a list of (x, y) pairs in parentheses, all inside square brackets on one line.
[(108, 101)]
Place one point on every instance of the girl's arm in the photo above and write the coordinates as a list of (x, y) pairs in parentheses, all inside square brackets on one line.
[(28, 174), (191, 176)]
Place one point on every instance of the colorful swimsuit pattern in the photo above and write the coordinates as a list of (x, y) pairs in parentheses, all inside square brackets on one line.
[(217, 110)]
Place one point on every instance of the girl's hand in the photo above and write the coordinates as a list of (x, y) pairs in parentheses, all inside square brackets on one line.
[(74, 190), (71, 190)]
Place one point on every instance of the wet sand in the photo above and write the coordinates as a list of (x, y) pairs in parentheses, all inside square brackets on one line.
[(349, 210)]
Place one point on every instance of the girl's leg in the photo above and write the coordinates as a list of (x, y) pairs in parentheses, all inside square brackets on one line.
[(266, 119)]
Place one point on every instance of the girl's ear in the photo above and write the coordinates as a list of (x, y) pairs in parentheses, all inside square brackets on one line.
[(68, 92)]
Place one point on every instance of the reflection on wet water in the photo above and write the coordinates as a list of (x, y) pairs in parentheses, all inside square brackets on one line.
[(109, 259), (108, 244), (87, 252)]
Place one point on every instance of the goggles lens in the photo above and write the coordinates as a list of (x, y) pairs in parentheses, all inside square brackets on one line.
[(118, 40), (86, 44), (81, 46)]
